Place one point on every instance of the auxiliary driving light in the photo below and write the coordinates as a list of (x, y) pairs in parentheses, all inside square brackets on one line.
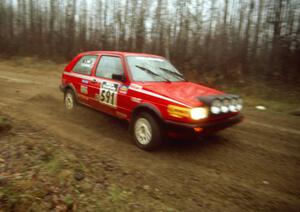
[(239, 105), (229, 104), (215, 110), (232, 106), (225, 106), (216, 106)]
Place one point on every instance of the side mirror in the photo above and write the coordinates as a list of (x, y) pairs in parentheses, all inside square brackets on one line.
[(119, 77)]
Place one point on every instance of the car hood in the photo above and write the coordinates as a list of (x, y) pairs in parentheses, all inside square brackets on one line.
[(185, 92)]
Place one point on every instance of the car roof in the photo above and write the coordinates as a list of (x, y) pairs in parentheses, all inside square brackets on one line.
[(120, 53)]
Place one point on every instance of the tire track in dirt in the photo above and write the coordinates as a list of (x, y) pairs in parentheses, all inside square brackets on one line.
[(88, 136), (283, 129)]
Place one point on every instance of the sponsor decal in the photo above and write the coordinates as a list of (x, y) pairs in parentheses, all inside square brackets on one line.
[(137, 100), (108, 93), (135, 86), (84, 81), (123, 89), (88, 63), (178, 112), (83, 89)]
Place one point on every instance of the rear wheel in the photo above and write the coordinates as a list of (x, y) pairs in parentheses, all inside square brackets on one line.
[(70, 100), (147, 131)]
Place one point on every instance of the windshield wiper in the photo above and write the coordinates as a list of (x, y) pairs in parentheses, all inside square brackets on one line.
[(152, 72), (173, 73)]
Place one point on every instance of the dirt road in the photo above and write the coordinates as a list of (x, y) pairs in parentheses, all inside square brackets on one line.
[(253, 166)]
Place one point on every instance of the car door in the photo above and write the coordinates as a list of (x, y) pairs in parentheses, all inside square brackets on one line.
[(82, 76), (109, 94)]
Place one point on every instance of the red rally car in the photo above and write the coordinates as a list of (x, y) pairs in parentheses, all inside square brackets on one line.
[(150, 93)]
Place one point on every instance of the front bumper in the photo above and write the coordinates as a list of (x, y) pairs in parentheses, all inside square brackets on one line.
[(204, 127)]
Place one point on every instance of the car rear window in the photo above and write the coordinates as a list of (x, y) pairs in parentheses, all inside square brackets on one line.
[(85, 64)]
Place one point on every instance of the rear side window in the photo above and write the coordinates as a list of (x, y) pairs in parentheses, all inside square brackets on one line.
[(108, 66), (85, 64)]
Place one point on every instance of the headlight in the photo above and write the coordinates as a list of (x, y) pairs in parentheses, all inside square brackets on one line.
[(216, 106), (198, 113), (182, 112), (225, 106)]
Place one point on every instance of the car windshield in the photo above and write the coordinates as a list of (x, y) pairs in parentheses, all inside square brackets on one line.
[(151, 69)]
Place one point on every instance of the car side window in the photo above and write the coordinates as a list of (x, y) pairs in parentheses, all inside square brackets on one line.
[(108, 66), (85, 64)]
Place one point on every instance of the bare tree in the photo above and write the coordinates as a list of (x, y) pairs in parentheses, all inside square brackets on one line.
[(211, 36)]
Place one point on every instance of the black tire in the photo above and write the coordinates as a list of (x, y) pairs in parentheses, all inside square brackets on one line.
[(156, 131), (70, 100)]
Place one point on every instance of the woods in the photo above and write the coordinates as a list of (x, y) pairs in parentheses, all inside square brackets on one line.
[(247, 39)]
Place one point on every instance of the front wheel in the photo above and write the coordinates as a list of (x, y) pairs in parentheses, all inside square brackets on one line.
[(147, 131)]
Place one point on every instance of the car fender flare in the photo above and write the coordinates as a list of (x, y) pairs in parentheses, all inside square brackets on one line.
[(147, 107), (70, 86), (152, 109)]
